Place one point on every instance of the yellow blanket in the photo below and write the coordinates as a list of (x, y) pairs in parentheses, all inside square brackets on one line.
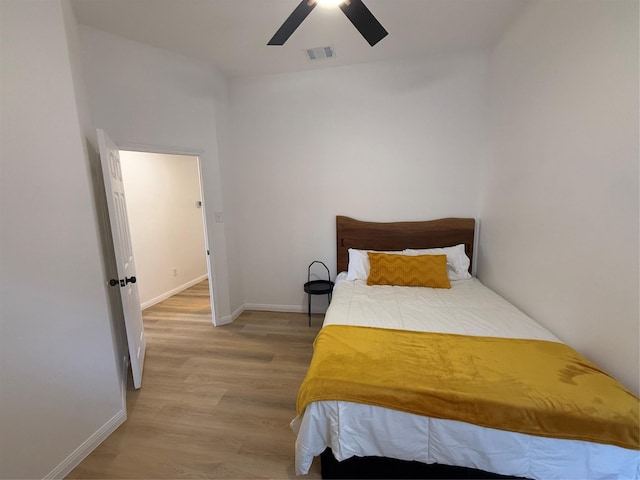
[(529, 386)]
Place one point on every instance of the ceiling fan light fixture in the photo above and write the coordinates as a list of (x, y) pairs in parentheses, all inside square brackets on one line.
[(355, 10), (330, 3)]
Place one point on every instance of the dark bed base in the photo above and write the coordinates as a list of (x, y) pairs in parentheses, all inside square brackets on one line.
[(379, 467)]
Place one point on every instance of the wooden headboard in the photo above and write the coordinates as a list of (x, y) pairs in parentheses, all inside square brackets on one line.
[(446, 232)]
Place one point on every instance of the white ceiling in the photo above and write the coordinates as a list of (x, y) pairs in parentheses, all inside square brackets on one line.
[(233, 34)]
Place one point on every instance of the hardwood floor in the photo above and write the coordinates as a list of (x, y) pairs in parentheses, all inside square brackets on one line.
[(215, 402)]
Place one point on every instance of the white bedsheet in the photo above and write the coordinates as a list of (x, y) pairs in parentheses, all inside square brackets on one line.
[(468, 308)]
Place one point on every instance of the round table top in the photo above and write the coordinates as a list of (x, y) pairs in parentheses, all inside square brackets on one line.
[(318, 287)]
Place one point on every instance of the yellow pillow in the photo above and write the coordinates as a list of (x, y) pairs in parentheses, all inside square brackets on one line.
[(408, 271)]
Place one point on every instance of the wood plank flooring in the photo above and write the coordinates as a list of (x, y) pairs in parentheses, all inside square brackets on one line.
[(215, 402)]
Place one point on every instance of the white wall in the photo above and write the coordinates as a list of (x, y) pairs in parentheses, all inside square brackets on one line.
[(559, 234), (166, 225), (393, 141), (59, 373), (146, 96)]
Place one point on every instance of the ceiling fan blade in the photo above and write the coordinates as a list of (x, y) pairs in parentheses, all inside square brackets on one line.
[(364, 21), (290, 24)]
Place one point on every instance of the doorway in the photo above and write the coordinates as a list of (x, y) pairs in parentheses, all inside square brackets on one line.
[(167, 222)]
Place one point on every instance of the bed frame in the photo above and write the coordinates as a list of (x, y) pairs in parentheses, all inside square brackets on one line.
[(390, 468), (351, 233), (446, 232)]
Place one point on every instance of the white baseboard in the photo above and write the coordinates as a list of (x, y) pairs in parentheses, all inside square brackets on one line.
[(265, 307), (230, 318), (170, 293), (224, 320), (268, 307), (237, 312), (88, 446)]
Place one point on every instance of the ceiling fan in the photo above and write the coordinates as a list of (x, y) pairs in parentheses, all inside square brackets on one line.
[(355, 10)]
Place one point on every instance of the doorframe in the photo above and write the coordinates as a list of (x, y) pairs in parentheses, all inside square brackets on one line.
[(197, 153)]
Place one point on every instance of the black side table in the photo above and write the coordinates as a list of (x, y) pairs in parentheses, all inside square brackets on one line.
[(317, 287)]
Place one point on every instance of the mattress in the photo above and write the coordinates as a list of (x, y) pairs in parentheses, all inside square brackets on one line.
[(468, 308)]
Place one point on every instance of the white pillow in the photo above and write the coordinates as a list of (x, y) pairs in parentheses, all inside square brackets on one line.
[(359, 266), (457, 260)]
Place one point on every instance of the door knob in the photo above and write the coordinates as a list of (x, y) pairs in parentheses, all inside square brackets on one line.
[(113, 282), (130, 279)]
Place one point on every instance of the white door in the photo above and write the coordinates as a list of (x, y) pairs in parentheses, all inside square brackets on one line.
[(206, 246), (126, 281)]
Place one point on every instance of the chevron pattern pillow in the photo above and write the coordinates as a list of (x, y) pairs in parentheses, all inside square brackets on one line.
[(408, 271)]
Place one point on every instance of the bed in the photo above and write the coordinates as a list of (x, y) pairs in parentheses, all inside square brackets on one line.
[(363, 430)]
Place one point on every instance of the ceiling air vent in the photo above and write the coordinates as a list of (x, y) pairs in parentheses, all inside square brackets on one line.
[(320, 53)]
